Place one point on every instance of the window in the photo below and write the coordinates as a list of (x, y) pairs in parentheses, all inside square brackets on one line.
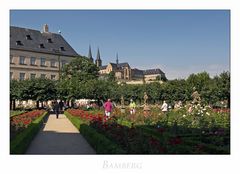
[(33, 76), (50, 40), (53, 63), (33, 60), (18, 42), (43, 76), (28, 37), (43, 62), (62, 48), (53, 77), (22, 60), (11, 75), (11, 59), (41, 46), (21, 76)]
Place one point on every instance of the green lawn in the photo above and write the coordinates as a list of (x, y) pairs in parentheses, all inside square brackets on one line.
[(13, 113)]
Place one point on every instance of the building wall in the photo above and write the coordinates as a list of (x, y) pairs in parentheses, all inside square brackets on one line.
[(16, 68), (109, 68), (103, 71), (118, 75), (151, 77)]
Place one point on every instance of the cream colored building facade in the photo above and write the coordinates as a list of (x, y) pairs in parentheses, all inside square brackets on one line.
[(122, 71), (35, 65)]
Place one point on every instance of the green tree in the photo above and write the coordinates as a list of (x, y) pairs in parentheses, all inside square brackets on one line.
[(81, 68), (111, 76)]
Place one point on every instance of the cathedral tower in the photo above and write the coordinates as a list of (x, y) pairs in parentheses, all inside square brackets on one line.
[(90, 54), (98, 60)]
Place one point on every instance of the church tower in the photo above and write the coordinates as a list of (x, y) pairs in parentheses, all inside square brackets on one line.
[(98, 60), (90, 54)]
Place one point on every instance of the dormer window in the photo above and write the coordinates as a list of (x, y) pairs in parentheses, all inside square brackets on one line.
[(62, 48), (49, 40), (18, 42), (28, 37), (41, 46)]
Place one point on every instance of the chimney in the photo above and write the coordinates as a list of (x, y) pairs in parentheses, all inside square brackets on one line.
[(45, 28)]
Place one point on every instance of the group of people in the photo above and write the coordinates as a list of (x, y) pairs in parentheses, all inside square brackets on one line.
[(57, 107), (108, 107)]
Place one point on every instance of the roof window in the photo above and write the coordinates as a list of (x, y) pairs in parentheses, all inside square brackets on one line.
[(28, 37), (49, 40), (41, 46), (62, 48), (18, 42)]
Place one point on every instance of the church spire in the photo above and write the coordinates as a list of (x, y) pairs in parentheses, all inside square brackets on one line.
[(117, 59), (90, 54), (98, 60), (98, 55)]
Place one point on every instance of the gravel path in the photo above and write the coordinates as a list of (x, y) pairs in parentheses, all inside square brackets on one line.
[(59, 136)]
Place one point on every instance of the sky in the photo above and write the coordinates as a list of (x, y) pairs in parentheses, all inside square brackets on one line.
[(179, 42)]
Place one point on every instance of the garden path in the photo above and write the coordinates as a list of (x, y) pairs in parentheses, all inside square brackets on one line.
[(59, 136)]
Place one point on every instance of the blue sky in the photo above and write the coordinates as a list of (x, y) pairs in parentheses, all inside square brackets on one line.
[(178, 42)]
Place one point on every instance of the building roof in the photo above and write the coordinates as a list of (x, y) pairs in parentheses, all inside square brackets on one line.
[(36, 41), (102, 67), (136, 71), (153, 71), (119, 65)]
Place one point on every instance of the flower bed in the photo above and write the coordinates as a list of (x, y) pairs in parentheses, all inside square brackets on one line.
[(168, 135), (81, 120), (23, 129), (22, 121)]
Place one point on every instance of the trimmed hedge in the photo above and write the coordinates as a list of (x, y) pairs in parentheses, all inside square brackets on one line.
[(21, 141), (100, 143)]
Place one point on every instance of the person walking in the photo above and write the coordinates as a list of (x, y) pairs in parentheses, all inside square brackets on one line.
[(132, 106), (56, 108), (164, 107), (108, 107), (61, 105)]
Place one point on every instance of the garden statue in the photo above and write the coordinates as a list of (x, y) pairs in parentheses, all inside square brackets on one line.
[(196, 97), (146, 108), (122, 105), (145, 98)]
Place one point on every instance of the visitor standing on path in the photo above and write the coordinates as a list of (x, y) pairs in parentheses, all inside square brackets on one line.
[(56, 108), (108, 107), (132, 107)]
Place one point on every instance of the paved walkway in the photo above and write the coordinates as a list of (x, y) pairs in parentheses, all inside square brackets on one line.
[(59, 136)]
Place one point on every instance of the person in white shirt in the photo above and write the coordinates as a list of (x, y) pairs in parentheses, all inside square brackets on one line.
[(164, 107)]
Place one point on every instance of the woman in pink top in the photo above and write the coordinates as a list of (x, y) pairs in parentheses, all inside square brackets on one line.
[(108, 108)]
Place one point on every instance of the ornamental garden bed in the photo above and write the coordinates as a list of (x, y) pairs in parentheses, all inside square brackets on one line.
[(101, 144), (158, 134), (23, 128)]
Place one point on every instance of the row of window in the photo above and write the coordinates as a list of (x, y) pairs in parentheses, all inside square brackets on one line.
[(22, 61), (22, 76), (41, 45)]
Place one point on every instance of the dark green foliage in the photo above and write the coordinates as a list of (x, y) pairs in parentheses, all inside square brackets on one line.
[(20, 143), (99, 142)]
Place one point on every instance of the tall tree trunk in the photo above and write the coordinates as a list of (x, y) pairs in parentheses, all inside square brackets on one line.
[(37, 104), (14, 104)]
